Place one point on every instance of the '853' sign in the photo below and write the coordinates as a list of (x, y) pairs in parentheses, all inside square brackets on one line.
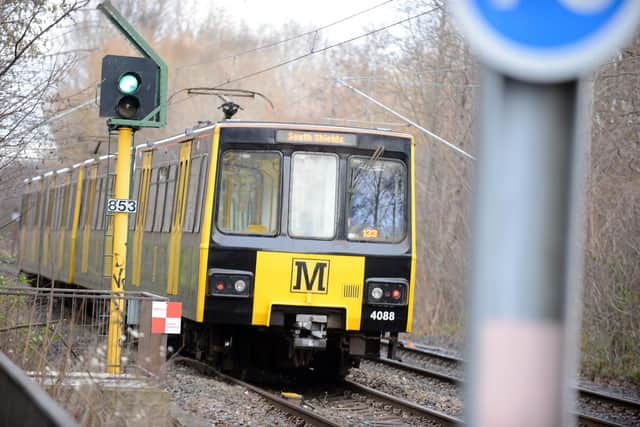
[(121, 205)]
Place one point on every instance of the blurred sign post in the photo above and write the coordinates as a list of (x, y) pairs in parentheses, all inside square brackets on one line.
[(527, 255), (133, 94)]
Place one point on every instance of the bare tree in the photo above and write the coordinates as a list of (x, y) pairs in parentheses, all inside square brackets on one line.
[(28, 69), (611, 321)]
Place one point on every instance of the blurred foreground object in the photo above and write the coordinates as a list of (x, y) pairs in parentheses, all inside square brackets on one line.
[(527, 251)]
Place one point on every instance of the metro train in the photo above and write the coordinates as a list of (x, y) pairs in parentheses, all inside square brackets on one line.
[(289, 245)]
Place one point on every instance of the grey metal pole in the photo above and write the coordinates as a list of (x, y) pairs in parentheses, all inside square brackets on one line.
[(526, 217)]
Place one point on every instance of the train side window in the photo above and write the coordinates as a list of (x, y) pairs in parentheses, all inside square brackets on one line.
[(91, 197), (83, 201), (57, 218), (63, 200), (57, 209), (36, 217), (93, 215), (108, 192), (153, 187), (102, 186), (96, 197), (249, 196), (33, 197), (202, 184), (103, 219), (313, 202), (163, 176), (168, 205), (71, 205), (24, 209), (48, 218), (51, 203), (134, 195), (192, 194)]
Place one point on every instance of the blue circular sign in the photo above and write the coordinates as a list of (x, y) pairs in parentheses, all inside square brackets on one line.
[(546, 40)]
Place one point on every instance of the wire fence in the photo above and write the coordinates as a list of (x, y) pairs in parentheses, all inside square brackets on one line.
[(66, 330)]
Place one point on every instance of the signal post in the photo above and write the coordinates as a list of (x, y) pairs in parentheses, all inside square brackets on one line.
[(133, 94), (119, 259)]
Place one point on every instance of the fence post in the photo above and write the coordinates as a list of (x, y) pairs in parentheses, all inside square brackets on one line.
[(152, 348)]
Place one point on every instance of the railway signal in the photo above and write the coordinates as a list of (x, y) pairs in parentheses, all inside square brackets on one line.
[(129, 87), (133, 95), (526, 255)]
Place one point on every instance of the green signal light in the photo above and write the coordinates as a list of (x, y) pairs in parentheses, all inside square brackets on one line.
[(128, 83)]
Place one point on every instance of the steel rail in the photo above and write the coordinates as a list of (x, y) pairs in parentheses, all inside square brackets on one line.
[(609, 397), (591, 421), (405, 405), (426, 350), (295, 410), (583, 392), (584, 419), (316, 419), (419, 370)]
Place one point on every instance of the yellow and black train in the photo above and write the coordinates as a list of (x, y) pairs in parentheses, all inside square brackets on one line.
[(288, 245)]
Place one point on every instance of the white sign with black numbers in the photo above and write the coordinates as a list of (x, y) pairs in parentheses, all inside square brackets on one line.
[(383, 315), (122, 205)]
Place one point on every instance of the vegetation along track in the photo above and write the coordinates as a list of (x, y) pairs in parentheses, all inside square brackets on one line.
[(595, 407), (341, 403)]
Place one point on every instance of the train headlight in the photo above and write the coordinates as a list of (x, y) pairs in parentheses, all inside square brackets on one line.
[(387, 291), (240, 285), (230, 283)]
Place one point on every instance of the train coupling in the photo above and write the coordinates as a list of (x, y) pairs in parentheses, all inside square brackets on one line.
[(310, 331)]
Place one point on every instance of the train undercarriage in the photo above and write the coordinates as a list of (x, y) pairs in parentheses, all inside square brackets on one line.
[(302, 347)]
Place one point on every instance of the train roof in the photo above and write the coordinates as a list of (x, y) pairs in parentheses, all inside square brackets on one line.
[(190, 132)]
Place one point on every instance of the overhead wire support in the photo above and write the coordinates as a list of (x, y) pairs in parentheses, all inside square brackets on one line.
[(406, 119)]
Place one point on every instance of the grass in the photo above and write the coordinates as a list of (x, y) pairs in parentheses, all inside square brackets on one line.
[(46, 337)]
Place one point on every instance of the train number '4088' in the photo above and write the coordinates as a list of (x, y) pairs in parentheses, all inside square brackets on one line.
[(383, 315)]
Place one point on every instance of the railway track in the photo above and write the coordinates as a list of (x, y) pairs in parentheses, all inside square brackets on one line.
[(595, 408), (343, 403)]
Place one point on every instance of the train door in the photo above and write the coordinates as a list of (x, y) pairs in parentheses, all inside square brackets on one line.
[(141, 215), (45, 267), (177, 222), (77, 205), (64, 210), (86, 220), (25, 218)]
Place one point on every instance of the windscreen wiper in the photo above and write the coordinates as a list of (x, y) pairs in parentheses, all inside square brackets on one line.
[(367, 165)]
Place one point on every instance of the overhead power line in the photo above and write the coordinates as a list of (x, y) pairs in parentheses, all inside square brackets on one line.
[(324, 49), (411, 122), (279, 42)]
